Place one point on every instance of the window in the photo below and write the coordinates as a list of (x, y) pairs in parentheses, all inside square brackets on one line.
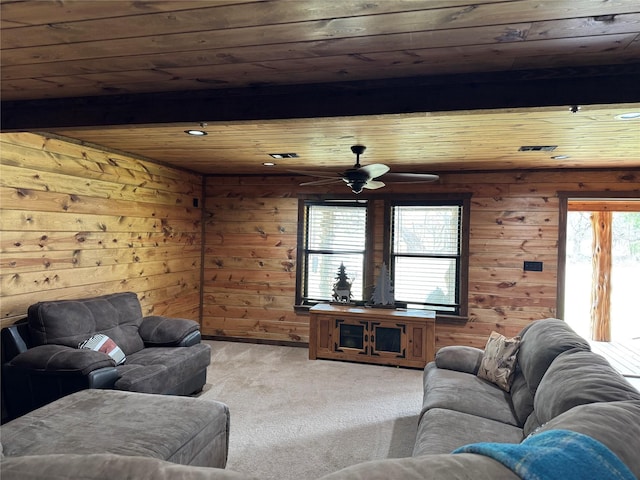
[(423, 240), (425, 255), (335, 234)]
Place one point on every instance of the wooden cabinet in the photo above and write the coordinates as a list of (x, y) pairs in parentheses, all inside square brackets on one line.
[(372, 335)]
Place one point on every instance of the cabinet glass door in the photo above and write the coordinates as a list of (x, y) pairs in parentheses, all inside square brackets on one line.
[(389, 340), (352, 335)]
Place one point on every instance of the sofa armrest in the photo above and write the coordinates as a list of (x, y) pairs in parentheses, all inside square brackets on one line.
[(60, 358), (45, 373), (460, 358), (159, 331)]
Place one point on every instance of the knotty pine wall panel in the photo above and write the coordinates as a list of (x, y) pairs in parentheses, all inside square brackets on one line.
[(78, 222), (250, 250), (249, 260)]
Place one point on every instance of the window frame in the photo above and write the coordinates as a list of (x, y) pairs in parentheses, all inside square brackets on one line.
[(378, 251), (462, 200), (301, 280)]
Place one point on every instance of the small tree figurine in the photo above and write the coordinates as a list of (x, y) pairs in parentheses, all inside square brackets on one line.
[(342, 287), (382, 295)]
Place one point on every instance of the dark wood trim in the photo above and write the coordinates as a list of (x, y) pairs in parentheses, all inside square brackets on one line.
[(562, 255), (300, 264), (257, 341), (517, 89)]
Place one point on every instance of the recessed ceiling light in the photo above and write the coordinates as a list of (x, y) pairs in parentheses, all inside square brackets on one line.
[(283, 155), (537, 148), (269, 164), (196, 133), (560, 157), (628, 116)]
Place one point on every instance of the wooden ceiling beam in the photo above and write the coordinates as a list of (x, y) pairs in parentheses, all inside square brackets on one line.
[(527, 88)]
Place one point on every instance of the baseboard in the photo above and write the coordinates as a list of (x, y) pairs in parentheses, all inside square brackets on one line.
[(258, 341)]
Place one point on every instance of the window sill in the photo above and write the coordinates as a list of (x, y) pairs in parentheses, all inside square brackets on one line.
[(440, 318)]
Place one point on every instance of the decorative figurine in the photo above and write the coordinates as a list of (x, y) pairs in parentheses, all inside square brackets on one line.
[(382, 295), (342, 287)]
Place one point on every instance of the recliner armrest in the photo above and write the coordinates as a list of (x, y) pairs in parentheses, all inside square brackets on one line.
[(459, 357), (45, 373), (60, 358), (159, 331)]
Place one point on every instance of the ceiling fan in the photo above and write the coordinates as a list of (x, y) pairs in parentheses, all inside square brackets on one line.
[(359, 177)]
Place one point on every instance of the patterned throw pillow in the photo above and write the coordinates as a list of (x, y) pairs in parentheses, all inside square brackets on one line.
[(102, 343), (499, 360)]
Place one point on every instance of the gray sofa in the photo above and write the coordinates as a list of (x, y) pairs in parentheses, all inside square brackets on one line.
[(559, 386), (42, 361)]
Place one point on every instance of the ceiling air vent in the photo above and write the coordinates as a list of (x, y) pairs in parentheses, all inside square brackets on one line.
[(537, 148), (283, 155)]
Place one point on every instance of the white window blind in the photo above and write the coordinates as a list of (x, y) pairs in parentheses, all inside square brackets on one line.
[(336, 234), (426, 255)]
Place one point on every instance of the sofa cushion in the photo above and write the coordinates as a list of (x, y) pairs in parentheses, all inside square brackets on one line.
[(161, 369), (459, 357), (69, 322), (541, 342), (465, 392), (577, 378), (614, 424), (499, 360), (521, 397), (465, 466), (442, 431)]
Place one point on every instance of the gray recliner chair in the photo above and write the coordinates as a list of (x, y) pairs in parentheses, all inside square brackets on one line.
[(42, 361)]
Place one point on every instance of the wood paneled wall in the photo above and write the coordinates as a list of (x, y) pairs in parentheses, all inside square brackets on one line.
[(251, 233), (78, 222)]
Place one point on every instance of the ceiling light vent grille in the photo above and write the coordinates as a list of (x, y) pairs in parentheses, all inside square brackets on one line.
[(537, 148)]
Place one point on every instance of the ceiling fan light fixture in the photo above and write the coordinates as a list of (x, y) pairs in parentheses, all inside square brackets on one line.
[(357, 186)]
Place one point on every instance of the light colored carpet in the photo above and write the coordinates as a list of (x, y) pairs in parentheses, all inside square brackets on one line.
[(294, 418)]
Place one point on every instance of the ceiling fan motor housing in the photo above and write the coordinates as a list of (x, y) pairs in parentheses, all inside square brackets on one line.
[(356, 178)]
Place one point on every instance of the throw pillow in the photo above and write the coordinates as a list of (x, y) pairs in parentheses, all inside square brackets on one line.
[(499, 360), (102, 343)]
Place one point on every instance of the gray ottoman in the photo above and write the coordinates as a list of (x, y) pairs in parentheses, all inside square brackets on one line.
[(182, 430)]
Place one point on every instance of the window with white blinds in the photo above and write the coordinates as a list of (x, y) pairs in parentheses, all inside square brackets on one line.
[(335, 234), (425, 256)]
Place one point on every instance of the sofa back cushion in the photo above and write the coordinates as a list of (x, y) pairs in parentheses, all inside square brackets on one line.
[(579, 378), (615, 424), (69, 322), (541, 342)]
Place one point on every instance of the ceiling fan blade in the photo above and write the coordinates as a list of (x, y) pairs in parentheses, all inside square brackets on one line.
[(324, 181), (312, 173), (374, 170), (373, 185), (411, 177)]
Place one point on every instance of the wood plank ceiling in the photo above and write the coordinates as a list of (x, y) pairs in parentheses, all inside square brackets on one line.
[(428, 86)]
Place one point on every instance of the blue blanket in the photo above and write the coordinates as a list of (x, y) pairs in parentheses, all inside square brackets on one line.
[(555, 454)]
